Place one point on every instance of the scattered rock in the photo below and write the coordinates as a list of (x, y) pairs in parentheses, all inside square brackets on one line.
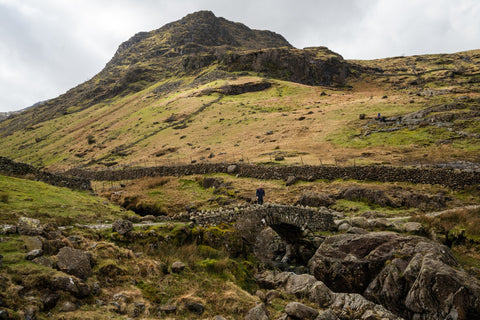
[(261, 295), (279, 158), (346, 305), (300, 311), (195, 307), (122, 227), (344, 226), (178, 267), (31, 313), (75, 262), (360, 222), (68, 306), (148, 218), (71, 285), (414, 228), (232, 169), (291, 180), (32, 243), (100, 303), (29, 226), (210, 182), (269, 132), (49, 300), (33, 254), (272, 295), (4, 315), (219, 318), (138, 309), (328, 315), (168, 309), (8, 229), (258, 313)]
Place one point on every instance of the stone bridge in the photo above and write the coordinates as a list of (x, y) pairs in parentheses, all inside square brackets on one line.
[(294, 224), (290, 222)]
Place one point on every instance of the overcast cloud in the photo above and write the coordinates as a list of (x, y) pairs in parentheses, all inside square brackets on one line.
[(49, 46)]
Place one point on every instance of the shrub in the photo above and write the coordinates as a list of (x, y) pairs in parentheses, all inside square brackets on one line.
[(91, 139), (3, 197)]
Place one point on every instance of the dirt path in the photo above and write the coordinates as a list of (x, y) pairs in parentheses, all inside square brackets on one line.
[(439, 213)]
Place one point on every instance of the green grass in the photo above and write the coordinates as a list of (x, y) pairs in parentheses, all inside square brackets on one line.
[(52, 204), (425, 136)]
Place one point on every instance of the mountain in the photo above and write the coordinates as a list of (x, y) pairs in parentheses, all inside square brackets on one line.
[(207, 89), (178, 48)]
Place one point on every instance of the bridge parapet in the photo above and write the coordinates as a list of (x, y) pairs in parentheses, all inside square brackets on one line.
[(302, 218)]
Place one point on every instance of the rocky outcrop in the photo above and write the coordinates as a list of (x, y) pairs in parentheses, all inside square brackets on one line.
[(399, 199), (344, 305), (312, 199), (411, 276), (313, 66)]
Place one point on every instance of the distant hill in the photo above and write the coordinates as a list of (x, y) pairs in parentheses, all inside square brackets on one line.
[(207, 89)]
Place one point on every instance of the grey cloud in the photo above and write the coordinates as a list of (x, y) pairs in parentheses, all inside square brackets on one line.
[(49, 46)]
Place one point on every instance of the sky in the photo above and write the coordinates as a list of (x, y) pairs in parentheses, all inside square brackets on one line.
[(50, 46)]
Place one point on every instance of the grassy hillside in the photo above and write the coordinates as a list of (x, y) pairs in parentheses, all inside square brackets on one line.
[(200, 89), (178, 121), (27, 198)]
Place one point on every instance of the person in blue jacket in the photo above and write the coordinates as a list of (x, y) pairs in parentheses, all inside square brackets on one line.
[(260, 194)]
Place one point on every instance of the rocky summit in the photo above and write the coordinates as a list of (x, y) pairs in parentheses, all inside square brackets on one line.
[(135, 195)]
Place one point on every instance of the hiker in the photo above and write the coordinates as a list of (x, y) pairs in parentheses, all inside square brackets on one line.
[(260, 194)]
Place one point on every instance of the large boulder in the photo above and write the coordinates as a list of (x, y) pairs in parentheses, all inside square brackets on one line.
[(122, 227), (75, 262), (269, 247), (411, 276)]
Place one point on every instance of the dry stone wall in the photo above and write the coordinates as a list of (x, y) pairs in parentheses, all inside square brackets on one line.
[(16, 169), (445, 177)]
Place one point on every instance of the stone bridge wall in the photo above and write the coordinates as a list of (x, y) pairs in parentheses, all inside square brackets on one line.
[(446, 177), (314, 219), (16, 169)]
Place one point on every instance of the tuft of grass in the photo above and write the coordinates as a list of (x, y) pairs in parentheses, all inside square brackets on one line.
[(4, 197)]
